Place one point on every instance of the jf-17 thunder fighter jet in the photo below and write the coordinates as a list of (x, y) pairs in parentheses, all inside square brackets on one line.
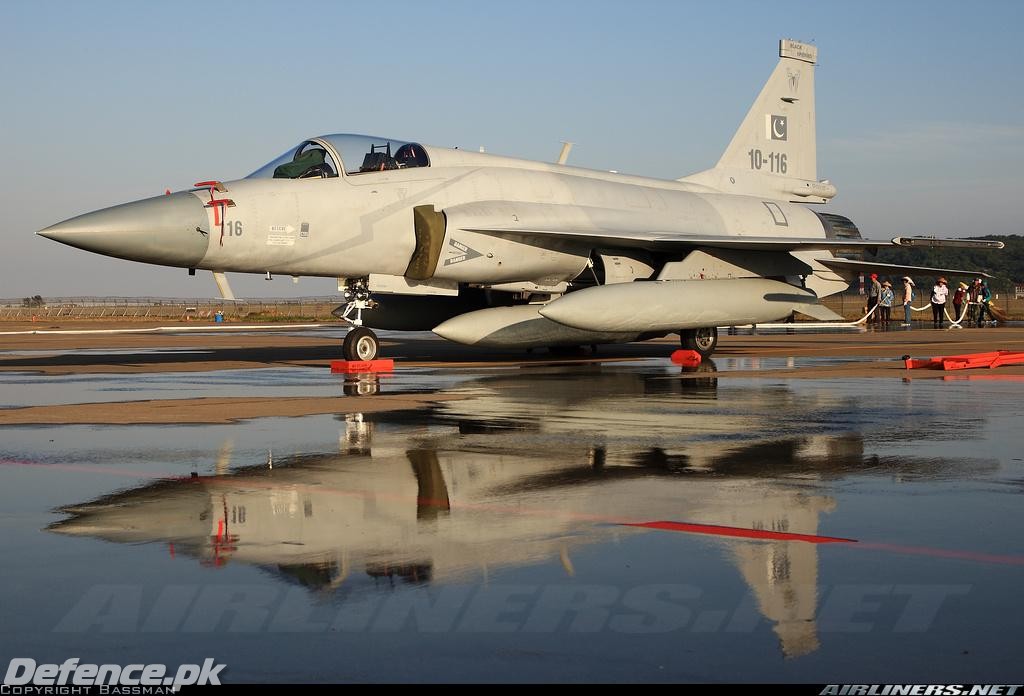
[(495, 251)]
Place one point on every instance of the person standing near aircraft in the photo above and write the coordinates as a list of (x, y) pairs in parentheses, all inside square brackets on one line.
[(885, 301), (973, 299), (908, 297), (984, 298), (939, 294), (958, 301), (873, 294)]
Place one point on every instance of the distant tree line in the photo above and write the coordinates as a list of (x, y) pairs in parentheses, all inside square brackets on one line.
[(34, 301)]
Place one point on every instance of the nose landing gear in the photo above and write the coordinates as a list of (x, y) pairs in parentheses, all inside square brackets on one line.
[(360, 342)]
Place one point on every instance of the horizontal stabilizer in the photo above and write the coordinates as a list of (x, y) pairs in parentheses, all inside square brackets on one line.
[(854, 266), (933, 242)]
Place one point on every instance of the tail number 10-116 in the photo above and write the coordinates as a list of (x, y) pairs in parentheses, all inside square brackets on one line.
[(775, 162)]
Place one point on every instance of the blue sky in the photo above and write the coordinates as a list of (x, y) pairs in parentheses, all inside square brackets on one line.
[(920, 105)]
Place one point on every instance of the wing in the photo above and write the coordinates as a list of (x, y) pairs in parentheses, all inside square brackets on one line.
[(667, 241), (622, 229)]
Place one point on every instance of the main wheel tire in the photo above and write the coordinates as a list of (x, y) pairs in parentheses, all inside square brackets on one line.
[(704, 341), (360, 344)]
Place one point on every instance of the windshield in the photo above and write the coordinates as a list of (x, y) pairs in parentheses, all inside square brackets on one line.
[(360, 154), (307, 161)]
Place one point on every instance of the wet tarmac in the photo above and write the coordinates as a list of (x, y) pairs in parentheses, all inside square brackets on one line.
[(621, 521)]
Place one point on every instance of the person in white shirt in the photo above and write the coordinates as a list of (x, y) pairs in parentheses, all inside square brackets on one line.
[(908, 297), (939, 294)]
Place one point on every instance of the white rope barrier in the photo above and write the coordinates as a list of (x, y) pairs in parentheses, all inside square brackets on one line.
[(957, 323), (814, 324), (865, 317)]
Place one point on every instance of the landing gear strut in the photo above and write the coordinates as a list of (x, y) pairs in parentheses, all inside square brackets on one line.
[(704, 341), (360, 342)]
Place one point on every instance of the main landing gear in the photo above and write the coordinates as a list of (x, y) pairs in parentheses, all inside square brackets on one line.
[(704, 341), (360, 343)]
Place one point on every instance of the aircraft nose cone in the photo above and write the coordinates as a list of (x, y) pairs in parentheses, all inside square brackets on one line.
[(162, 230)]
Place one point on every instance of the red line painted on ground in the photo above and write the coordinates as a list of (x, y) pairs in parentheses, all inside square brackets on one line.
[(739, 532), (744, 533)]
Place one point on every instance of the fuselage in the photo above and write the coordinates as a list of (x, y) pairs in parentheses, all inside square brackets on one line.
[(475, 246), (355, 224)]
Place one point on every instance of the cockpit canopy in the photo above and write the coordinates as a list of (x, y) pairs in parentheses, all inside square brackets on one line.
[(358, 154)]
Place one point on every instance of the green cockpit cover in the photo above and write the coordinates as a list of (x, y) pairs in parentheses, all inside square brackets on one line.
[(298, 166)]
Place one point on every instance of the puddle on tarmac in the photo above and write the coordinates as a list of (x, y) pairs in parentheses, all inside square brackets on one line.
[(20, 389), (828, 530)]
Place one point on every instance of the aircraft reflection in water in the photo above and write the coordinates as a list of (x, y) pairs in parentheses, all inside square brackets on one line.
[(483, 482)]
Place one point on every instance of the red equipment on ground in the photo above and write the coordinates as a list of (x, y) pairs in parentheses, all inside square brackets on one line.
[(996, 358), (350, 366), (686, 358)]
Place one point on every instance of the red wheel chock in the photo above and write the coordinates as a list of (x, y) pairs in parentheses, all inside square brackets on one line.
[(351, 366), (686, 358)]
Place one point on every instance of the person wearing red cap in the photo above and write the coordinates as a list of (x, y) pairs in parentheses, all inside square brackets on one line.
[(873, 294)]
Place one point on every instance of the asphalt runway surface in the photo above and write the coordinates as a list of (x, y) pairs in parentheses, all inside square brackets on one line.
[(800, 508)]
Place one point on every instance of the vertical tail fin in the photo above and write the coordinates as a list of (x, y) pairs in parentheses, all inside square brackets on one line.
[(781, 121), (774, 152)]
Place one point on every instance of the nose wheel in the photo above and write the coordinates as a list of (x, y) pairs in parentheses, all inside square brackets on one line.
[(361, 344), (704, 341)]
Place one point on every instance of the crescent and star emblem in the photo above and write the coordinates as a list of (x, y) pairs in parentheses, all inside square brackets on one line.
[(778, 127)]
